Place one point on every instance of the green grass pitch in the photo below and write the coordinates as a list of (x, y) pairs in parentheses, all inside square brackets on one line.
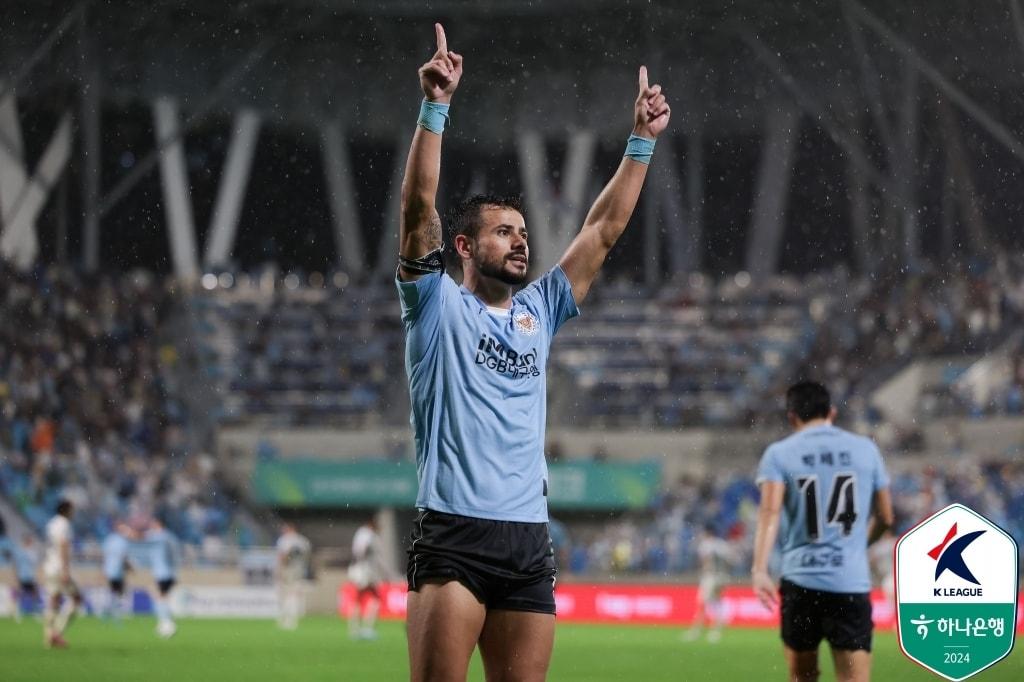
[(255, 651)]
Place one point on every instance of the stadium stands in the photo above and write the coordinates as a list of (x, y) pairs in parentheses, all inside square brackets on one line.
[(90, 407)]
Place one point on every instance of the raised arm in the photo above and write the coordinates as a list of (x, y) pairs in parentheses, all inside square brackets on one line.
[(607, 218), (420, 230)]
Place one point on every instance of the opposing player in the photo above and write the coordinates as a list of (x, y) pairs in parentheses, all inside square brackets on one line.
[(62, 594), (293, 556), (115, 566), (165, 559), (480, 569), (25, 556), (366, 573), (833, 488), (715, 556)]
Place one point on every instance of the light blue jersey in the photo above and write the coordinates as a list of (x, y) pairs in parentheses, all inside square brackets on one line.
[(477, 380), (831, 476), (165, 554), (26, 561), (115, 553)]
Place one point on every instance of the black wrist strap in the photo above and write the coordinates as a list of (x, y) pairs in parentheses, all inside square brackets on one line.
[(425, 265)]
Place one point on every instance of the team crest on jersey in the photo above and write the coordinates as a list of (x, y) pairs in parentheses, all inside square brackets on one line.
[(525, 322)]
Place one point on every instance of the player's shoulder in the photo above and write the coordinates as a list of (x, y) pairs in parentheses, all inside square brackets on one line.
[(860, 441), (58, 524)]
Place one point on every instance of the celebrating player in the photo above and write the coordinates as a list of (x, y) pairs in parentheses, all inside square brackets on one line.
[(293, 553), (834, 489), (61, 591), (481, 570)]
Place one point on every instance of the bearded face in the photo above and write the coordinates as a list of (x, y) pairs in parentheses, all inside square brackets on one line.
[(500, 250)]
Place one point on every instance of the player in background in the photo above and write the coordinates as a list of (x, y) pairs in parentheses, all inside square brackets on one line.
[(715, 555), (25, 556), (115, 567), (165, 559), (833, 488), (62, 594), (481, 571), (293, 556), (366, 572)]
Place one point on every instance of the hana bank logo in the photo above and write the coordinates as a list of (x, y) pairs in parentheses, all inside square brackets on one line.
[(949, 556)]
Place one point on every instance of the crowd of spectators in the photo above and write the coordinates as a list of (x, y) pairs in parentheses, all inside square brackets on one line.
[(90, 410), (959, 313)]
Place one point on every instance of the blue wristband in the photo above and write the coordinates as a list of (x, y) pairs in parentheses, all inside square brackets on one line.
[(433, 116), (640, 148)]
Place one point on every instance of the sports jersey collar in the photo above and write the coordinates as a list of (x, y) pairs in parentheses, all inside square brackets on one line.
[(483, 307)]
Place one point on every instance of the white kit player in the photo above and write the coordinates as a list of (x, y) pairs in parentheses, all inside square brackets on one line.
[(715, 555), (366, 572), (293, 554), (62, 595)]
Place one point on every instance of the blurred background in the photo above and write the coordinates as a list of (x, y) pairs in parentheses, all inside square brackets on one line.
[(199, 201)]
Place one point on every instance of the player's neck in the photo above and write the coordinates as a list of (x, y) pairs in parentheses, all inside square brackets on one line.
[(493, 292), (822, 421)]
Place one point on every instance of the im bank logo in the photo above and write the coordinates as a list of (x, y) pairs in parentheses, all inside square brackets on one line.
[(956, 592)]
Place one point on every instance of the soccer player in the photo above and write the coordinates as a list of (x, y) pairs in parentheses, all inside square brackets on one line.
[(165, 558), (115, 565), (833, 488), (366, 573), (480, 569), (715, 555), (62, 595), (293, 553), (26, 561)]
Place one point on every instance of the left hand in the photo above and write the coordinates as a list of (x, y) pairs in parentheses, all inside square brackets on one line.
[(650, 112)]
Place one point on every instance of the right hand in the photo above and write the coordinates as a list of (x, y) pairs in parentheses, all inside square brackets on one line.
[(765, 589), (440, 76)]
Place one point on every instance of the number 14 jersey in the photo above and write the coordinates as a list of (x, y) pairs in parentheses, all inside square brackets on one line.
[(831, 476)]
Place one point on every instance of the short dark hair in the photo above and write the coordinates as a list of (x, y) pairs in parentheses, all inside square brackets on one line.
[(808, 400), (64, 507), (464, 218)]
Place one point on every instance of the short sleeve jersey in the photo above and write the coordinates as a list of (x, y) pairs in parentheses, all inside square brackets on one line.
[(26, 559), (477, 382), (115, 552), (58, 532), (295, 549), (830, 477), (165, 554)]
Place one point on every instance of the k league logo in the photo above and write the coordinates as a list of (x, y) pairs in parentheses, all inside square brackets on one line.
[(951, 557), (956, 592)]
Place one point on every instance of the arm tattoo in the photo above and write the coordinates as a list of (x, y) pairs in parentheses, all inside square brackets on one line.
[(432, 231)]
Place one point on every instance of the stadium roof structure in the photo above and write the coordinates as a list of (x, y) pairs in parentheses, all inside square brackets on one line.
[(894, 89), (310, 60)]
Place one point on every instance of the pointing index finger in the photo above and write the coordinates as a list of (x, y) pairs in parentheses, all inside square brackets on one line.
[(643, 77), (442, 43)]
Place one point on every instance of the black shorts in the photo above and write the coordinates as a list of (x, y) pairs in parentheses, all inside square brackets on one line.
[(842, 618), (116, 585), (506, 564), (28, 587), (165, 586)]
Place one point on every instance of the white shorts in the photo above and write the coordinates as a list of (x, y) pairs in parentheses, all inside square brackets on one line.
[(54, 585), (710, 589), (362, 575)]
